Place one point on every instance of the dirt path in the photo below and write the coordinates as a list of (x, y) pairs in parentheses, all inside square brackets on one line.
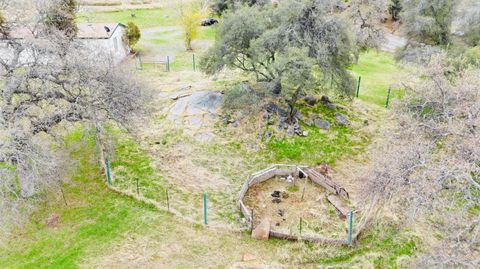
[(393, 42)]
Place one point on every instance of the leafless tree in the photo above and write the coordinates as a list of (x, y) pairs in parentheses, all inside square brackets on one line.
[(427, 170), (366, 17), (49, 82)]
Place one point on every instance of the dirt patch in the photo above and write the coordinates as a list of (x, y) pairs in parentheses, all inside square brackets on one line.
[(282, 202)]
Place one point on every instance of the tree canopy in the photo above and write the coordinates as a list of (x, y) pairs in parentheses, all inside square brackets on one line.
[(60, 16), (301, 40), (429, 21)]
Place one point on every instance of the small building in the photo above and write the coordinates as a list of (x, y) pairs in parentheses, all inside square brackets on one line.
[(106, 39), (101, 39)]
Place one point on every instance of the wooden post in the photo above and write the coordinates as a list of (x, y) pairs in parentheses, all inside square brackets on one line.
[(140, 65), (63, 195), (205, 208), (168, 200), (138, 190), (168, 63), (251, 223), (303, 191), (388, 97), (358, 85)]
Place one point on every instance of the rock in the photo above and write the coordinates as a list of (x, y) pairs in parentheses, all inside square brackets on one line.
[(281, 212), (290, 131), (282, 124), (248, 257), (275, 194), (52, 220), (266, 115), (262, 231), (290, 179), (341, 119), (276, 200), (299, 116), (274, 108), (268, 135), (323, 169), (325, 100), (285, 195), (305, 133), (331, 106), (296, 126), (308, 122), (322, 124), (310, 100)]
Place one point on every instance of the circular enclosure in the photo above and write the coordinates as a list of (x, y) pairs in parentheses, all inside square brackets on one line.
[(297, 203)]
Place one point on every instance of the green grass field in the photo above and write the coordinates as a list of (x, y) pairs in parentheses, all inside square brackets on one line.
[(320, 145), (144, 18), (92, 219), (378, 71)]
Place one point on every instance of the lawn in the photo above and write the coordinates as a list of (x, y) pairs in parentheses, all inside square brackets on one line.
[(91, 221), (378, 71), (144, 18), (320, 146)]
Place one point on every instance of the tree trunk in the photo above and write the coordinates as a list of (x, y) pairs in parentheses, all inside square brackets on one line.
[(291, 105)]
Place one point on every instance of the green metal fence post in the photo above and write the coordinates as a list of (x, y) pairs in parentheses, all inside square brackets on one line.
[(358, 85), (205, 208), (350, 227), (168, 63), (388, 97), (107, 167)]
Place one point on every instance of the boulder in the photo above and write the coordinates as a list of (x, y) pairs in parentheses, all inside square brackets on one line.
[(322, 124), (326, 102), (291, 131), (308, 122), (262, 231), (341, 119), (310, 100)]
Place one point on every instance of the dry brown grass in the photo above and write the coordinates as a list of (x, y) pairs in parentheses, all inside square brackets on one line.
[(318, 215)]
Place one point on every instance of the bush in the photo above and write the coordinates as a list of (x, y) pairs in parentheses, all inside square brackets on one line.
[(241, 97), (132, 34), (472, 56)]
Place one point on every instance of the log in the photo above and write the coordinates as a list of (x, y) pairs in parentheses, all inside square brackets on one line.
[(339, 205)]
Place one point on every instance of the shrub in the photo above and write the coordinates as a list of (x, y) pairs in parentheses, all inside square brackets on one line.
[(240, 97), (132, 34)]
